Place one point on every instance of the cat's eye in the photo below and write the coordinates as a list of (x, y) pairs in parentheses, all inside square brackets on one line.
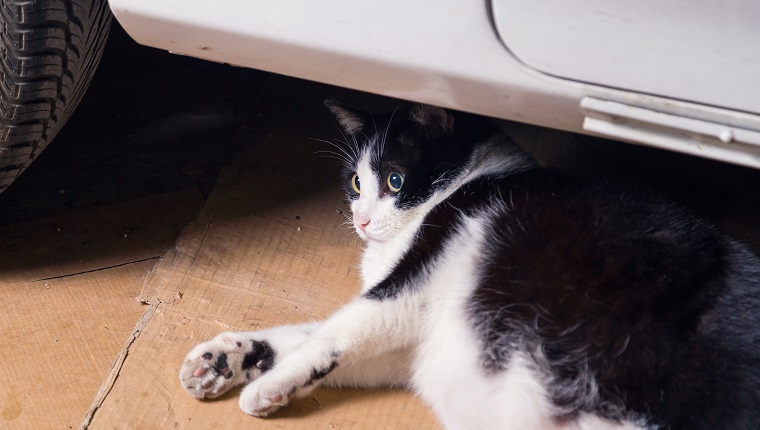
[(395, 181), (355, 184)]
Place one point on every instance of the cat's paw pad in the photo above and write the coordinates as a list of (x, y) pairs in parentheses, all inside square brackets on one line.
[(213, 367)]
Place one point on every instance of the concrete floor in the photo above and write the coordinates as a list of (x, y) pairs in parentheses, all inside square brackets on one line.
[(82, 232)]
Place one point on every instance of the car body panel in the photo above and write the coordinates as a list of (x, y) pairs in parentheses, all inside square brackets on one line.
[(706, 52), (442, 52)]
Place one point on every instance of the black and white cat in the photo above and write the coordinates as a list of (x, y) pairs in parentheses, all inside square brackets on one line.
[(512, 297)]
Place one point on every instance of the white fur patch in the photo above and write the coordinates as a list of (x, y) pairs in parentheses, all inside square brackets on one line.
[(448, 373), (390, 230)]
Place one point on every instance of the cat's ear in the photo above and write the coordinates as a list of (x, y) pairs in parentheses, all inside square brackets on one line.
[(351, 120), (432, 117)]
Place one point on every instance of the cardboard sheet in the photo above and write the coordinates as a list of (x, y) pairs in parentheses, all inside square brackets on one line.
[(67, 302), (269, 248)]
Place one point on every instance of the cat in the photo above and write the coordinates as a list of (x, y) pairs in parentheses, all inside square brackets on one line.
[(511, 296)]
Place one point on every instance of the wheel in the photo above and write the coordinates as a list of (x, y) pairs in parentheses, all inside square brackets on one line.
[(50, 50)]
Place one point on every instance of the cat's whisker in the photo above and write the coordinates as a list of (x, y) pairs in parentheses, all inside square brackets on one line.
[(351, 157), (336, 143), (355, 147), (346, 216), (430, 225), (331, 153), (345, 140), (334, 155), (372, 116), (352, 145), (385, 133)]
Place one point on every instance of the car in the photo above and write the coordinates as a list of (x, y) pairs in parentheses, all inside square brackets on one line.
[(674, 74)]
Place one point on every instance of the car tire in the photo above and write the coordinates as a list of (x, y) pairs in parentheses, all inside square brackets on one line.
[(50, 50)]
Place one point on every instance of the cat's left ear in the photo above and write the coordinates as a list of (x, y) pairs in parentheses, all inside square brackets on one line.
[(351, 120), (433, 117)]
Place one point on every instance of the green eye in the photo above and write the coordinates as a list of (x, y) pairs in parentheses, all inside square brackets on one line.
[(355, 183), (395, 181)]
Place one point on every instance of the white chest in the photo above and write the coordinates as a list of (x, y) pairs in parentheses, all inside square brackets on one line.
[(380, 258)]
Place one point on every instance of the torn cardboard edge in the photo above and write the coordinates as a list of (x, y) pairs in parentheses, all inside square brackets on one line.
[(113, 373)]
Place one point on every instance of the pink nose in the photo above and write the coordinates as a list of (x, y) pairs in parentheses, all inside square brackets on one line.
[(362, 222)]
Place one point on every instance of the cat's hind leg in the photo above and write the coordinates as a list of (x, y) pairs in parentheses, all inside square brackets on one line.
[(231, 359)]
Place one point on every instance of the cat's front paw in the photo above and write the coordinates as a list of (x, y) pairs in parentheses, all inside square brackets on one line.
[(260, 404), (230, 359), (295, 376)]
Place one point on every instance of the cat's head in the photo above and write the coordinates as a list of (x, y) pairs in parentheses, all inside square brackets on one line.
[(397, 163)]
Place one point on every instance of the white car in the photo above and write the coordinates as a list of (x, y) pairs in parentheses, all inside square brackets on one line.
[(683, 75)]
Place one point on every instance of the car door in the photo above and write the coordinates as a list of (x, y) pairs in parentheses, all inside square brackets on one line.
[(689, 69)]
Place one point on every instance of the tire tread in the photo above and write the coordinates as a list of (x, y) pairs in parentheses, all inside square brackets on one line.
[(50, 50)]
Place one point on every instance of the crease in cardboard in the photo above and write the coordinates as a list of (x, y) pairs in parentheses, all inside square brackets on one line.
[(99, 269)]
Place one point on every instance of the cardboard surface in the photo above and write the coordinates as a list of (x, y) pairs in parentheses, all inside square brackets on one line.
[(67, 302), (269, 248)]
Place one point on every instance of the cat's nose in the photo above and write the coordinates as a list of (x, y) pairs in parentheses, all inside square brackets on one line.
[(362, 222)]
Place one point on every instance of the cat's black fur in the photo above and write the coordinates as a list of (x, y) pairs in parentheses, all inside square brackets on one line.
[(639, 310), (623, 287)]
